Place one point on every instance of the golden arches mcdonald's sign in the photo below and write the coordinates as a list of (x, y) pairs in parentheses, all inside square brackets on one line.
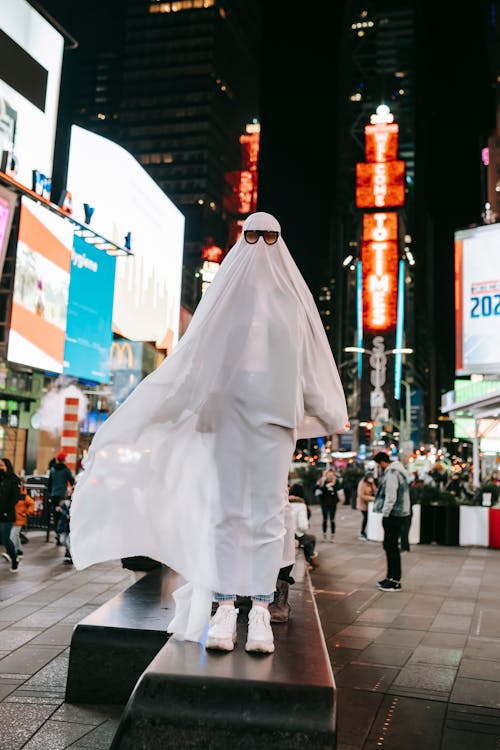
[(122, 355)]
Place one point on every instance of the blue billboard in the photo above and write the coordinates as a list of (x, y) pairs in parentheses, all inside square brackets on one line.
[(90, 306)]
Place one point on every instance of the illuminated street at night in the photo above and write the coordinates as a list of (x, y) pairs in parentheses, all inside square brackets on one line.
[(249, 375)]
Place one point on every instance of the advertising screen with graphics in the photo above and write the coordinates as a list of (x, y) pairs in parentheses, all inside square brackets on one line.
[(30, 73), (8, 202), (88, 327), (126, 200), (40, 301), (477, 300)]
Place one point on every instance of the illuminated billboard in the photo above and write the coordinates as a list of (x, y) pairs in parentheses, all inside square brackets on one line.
[(380, 285), (381, 142), (30, 73), (40, 300), (380, 226), (127, 202), (380, 184), (89, 332), (8, 203), (477, 300)]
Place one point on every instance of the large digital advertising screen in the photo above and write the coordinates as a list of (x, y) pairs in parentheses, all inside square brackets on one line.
[(89, 332), (8, 203), (126, 200), (41, 283), (477, 300), (31, 52)]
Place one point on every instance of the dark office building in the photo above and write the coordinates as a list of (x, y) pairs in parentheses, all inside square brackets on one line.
[(189, 87)]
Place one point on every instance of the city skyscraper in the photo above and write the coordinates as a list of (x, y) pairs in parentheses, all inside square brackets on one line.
[(189, 87)]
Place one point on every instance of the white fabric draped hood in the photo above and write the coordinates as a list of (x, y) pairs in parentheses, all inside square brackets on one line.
[(191, 470)]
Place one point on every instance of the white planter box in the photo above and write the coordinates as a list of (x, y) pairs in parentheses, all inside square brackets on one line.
[(415, 525), (375, 531), (474, 526)]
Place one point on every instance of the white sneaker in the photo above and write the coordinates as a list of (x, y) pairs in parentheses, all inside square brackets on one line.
[(222, 629), (260, 634), (6, 556)]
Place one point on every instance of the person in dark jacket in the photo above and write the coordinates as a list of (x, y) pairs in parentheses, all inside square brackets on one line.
[(10, 492), (393, 501), (326, 491), (60, 477)]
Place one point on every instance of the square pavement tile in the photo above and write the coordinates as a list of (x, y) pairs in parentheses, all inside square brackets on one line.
[(471, 727), (56, 735), (397, 637), (20, 721), (476, 692), (340, 656), (384, 654), (376, 616), (452, 623), (366, 677), (456, 607), (99, 738), (480, 669), (486, 624), (448, 657), (418, 679), (412, 622), (14, 638), (444, 640), (356, 710), (360, 631), (57, 635), (406, 723), (482, 648), (29, 659), (85, 714)]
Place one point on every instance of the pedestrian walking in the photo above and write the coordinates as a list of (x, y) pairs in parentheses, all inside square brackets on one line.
[(23, 508), (191, 470), (63, 526), (393, 501), (365, 494), (60, 478), (9, 495), (327, 492)]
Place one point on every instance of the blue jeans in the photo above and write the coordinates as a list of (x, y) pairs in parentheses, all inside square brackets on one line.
[(231, 597), (329, 512), (5, 539)]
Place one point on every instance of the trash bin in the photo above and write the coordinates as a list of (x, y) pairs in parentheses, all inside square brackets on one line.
[(439, 524)]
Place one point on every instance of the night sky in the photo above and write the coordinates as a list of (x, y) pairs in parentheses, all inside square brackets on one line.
[(300, 58)]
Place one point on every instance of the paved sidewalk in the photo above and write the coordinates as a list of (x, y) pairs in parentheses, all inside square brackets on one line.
[(415, 669)]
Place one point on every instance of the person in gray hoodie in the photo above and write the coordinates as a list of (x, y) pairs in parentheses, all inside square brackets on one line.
[(393, 501)]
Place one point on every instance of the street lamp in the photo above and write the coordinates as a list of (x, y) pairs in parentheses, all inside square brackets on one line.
[(406, 432)]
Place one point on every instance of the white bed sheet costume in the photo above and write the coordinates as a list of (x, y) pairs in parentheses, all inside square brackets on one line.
[(191, 470)]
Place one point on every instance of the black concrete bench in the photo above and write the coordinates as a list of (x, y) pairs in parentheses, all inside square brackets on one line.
[(192, 698), (112, 647)]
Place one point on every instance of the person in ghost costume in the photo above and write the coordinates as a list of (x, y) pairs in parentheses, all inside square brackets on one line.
[(191, 470)]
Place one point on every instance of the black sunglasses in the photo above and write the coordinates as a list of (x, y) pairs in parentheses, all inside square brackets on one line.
[(252, 236)]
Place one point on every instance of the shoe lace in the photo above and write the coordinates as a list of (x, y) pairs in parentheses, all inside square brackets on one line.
[(226, 614), (258, 616)]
